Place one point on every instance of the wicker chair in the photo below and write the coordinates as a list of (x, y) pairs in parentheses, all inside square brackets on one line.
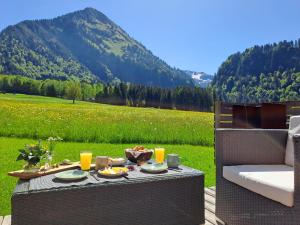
[(236, 205)]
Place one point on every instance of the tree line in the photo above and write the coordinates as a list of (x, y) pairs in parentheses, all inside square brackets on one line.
[(272, 87), (118, 93)]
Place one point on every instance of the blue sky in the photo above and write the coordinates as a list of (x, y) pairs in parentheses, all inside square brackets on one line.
[(189, 34)]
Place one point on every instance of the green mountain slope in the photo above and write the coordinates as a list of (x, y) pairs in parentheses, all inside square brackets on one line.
[(84, 44), (261, 74)]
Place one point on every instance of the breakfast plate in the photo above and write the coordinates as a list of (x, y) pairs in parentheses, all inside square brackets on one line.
[(71, 175), (154, 168), (113, 172)]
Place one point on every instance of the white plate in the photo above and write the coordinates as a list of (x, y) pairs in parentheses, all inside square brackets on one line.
[(154, 168), (70, 175)]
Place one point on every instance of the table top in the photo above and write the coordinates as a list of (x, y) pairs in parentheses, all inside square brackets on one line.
[(49, 182)]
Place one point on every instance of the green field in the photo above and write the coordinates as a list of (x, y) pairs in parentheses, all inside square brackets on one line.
[(40, 117), (24, 118)]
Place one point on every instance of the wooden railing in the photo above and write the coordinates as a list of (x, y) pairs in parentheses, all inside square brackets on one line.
[(228, 115)]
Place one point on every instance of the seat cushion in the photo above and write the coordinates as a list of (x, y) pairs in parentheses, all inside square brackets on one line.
[(275, 182), (294, 128)]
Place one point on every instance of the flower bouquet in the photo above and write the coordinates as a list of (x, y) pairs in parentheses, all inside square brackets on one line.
[(32, 154)]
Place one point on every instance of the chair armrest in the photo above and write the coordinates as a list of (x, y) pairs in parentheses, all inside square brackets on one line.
[(250, 146), (296, 140)]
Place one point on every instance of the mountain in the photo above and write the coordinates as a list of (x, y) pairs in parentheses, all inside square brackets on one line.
[(201, 79), (267, 73), (83, 44)]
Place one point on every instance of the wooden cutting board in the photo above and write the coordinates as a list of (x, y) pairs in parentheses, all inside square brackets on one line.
[(26, 176)]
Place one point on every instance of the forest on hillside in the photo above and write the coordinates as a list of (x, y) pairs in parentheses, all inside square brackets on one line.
[(118, 93), (268, 73)]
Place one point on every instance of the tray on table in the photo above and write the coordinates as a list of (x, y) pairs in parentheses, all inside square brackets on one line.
[(28, 175)]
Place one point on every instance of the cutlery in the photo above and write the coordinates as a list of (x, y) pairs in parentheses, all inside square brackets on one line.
[(93, 174), (125, 177), (175, 169)]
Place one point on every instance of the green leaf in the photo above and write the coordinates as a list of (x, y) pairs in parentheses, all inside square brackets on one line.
[(20, 157)]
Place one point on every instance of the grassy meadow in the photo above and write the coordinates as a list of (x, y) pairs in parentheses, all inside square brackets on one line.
[(40, 117), (104, 129)]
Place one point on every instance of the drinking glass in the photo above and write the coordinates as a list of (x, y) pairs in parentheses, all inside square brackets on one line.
[(159, 155), (85, 160)]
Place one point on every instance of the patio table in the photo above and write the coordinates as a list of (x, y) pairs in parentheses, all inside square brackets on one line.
[(171, 198)]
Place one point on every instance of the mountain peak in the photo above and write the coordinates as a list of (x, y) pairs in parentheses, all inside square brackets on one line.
[(89, 9), (84, 44), (201, 79), (89, 14)]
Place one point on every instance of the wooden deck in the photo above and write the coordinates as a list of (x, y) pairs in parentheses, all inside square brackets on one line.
[(210, 218), (6, 220), (210, 205)]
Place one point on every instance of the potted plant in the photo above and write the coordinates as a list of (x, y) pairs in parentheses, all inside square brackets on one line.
[(32, 154)]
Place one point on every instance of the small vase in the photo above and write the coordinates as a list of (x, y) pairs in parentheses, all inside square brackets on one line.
[(28, 168), (48, 162)]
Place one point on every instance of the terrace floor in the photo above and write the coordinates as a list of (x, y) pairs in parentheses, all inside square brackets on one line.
[(210, 217), (210, 201)]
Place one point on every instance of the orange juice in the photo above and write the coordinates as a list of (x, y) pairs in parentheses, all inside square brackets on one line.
[(159, 155), (85, 160)]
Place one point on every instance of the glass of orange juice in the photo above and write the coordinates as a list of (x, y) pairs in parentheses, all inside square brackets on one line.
[(159, 155), (85, 160)]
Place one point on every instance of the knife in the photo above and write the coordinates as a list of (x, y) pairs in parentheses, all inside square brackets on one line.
[(93, 174)]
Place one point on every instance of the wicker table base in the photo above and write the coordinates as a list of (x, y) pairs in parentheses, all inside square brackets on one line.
[(175, 198)]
